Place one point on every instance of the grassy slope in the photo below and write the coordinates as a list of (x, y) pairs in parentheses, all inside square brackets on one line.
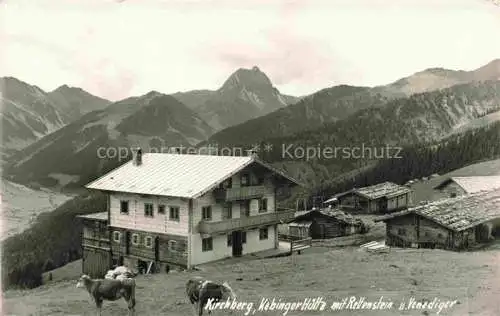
[(421, 273)]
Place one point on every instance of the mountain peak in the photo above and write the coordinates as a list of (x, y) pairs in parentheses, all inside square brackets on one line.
[(153, 93), (64, 87), (247, 78)]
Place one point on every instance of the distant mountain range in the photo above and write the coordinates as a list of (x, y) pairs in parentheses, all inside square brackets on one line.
[(92, 144), (336, 103), (247, 109), (246, 94), (29, 113), (440, 78)]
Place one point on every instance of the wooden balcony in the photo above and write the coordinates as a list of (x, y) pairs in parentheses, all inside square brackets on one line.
[(238, 194), (208, 227)]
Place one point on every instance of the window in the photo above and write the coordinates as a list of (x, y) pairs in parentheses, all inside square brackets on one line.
[(116, 236), (260, 180), (245, 180), (243, 237), (206, 244), (174, 213), (262, 205), (148, 241), (124, 207), (161, 209), (226, 184), (135, 239), (401, 231), (148, 209), (172, 244), (453, 194), (227, 211), (263, 233), (229, 239), (440, 235), (206, 213)]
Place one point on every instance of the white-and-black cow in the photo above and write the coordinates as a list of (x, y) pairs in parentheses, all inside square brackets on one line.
[(199, 291), (109, 290)]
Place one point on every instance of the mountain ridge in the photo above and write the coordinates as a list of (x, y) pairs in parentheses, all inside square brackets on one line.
[(29, 113), (101, 140)]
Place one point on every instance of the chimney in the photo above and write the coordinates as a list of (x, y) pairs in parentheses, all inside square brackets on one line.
[(137, 156)]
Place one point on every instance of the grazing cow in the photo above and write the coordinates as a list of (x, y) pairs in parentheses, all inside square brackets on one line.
[(109, 290), (199, 291)]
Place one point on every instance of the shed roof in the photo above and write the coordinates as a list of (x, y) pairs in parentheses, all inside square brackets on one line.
[(458, 213), (473, 184), (337, 214), (102, 216), (179, 175), (330, 200), (385, 189)]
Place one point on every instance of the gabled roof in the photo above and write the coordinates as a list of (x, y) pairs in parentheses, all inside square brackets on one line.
[(473, 184), (179, 175), (458, 213), (385, 189), (336, 214)]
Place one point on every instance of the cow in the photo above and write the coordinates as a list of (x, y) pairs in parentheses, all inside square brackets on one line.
[(199, 291), (109, 290)]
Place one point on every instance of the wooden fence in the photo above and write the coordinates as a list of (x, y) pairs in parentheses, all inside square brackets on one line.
[(300, 244)]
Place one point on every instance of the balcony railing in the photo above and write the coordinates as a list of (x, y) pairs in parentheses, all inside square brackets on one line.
[(242, 193), (206, 227)]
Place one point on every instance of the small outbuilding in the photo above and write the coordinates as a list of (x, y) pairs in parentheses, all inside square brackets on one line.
[(379, 198), (456, 186), (454, 223), (321, 224), (97, 259)]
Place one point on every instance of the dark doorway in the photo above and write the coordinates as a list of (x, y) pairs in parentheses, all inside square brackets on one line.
[(245, 208), (142, 266), (322, 231), (382, 205), (237, 243)]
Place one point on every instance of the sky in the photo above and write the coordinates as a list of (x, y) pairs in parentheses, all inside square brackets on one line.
[(121, 48)]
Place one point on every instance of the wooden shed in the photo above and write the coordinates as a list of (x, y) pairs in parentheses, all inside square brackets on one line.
[(454, 223), (96, 249), (322, 224), (378, 198), (456, 186)]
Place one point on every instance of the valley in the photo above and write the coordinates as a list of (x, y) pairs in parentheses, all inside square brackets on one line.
[(22, 205)]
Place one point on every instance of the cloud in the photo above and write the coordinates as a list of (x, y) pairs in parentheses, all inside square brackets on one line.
[(116, 50), (287, 58)]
